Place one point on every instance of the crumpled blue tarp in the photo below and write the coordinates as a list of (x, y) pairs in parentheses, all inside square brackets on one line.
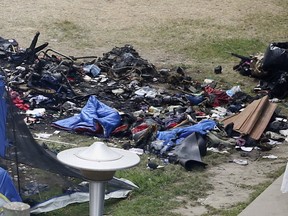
[(92, 114), (176, 135)]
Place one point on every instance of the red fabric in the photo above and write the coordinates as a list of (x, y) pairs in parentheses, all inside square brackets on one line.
[(18, 102), (139, 128), (23, 106), (217, 96), (121, 128), (172, 125), (200, 113)]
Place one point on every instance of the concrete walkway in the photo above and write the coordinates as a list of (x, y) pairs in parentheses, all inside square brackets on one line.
[(272, 202)]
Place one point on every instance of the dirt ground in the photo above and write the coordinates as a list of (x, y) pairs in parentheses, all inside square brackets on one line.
[(101, 25), (234, 183)]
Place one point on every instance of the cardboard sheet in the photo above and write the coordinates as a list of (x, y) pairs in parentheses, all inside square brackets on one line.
[(254, 119)]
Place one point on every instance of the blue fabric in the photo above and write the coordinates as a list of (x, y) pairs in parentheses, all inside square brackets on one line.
[(176, 135), (7, 187), (92, 113), (195, 100), (3, 113), (93, 69)]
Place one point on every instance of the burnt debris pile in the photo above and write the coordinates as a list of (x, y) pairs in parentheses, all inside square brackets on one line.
[(122, 95)]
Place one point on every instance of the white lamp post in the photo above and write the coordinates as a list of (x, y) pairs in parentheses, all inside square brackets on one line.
[(98, 163)]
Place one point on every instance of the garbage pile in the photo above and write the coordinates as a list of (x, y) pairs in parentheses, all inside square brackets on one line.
[(121, 95), (270, 67)]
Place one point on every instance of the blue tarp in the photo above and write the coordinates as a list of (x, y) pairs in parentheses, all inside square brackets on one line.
[(3, 114), (7, 187), (94, 117), (175, 136)]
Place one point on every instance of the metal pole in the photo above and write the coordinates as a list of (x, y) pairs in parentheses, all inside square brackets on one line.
[(97, 195)]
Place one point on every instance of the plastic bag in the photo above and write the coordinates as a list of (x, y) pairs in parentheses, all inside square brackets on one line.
[(284, 186), (233, 90), (276, 57)]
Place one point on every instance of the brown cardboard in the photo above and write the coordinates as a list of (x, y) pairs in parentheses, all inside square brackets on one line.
[(254, 119)]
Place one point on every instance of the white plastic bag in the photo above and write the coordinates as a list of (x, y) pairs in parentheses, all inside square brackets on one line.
[(284, 186)]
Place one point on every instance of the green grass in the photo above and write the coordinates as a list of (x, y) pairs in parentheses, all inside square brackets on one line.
[(65, 31), (157, 193), (161, 191), (202, 40)]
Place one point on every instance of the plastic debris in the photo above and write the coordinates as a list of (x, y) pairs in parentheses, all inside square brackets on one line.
[(270, 157), (240, 161)]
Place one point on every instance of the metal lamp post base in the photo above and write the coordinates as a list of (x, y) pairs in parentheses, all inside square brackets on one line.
[(97, 195)]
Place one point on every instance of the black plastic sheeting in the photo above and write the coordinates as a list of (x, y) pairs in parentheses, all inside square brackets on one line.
[(276, 57), (271, 69)]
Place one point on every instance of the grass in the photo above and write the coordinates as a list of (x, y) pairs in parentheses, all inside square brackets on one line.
[(215, 159), (190, 39), (65, 31), (161, 191), (157, 193)]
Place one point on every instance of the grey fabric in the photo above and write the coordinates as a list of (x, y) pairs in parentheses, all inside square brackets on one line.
[(190, 150)]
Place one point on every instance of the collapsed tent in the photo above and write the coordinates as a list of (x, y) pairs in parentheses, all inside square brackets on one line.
[(95, 117), (8, 192), (254, 119), (24, 149)]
